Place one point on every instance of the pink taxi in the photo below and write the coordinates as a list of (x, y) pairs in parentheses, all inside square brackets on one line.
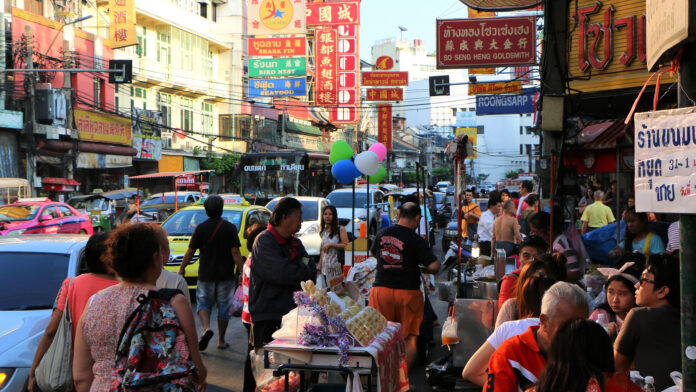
[(42, 216)]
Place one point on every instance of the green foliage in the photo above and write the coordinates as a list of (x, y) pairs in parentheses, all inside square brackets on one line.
[(197, 150), (409, 177), (481, 178), (513, 173), (223, 165), (443, 174)]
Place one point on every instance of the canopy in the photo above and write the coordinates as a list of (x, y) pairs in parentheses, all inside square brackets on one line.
[(168, 174), (501, 5)]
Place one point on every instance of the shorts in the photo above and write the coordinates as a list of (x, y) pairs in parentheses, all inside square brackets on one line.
[(400, 306), (209, 294)]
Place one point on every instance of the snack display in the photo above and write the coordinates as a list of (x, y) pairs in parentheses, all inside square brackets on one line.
[(332, 309), (308, 287), (350, 312), (366, 324)]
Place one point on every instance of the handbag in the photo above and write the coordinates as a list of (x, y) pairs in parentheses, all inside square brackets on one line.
[(237, 302), (54, 372)]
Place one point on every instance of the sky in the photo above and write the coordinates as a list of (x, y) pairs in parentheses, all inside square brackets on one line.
[(380, 19)]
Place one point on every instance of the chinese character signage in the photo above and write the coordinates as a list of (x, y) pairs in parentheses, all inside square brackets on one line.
[(102, 127), (385, 78), (260, 68), (326, 63), (277, 87), (506, 103), (384, 126), (384, 94), (348, 76), (665, 156), (147, 135), (333, 13), (268, 17), (486, 42), (292, 46), (512, 87), (122, 23)]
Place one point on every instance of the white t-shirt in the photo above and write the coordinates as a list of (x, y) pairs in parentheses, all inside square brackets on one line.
[(485, 226), (509, 329)]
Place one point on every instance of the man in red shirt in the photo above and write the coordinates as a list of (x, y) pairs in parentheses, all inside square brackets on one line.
[(519, 361)]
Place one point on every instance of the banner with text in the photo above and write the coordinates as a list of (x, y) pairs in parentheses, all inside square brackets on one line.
[(326, 86), (122, 23), (514, 87), (102, 127), (384, 94), (333, 13), (268, 17), (665, 158), (284, 87), (486, 42), (288, 46), (506, 103), (384, 126), (348, 79), (385, 78), (260, 68)]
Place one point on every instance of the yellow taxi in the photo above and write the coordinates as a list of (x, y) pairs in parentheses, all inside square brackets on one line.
[(180, 226)]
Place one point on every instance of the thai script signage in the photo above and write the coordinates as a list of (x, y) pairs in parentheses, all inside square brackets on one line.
[(186, 180), (102, 127), (665, 161), (122, 23), (91, 160), (513, 87), (384, 127), (384, 94), (326, 75), (486, 42), (333, 13), (506, 103), (290, 46), (259, 68), (385, 78), (267, 17), (302, 142), (277, 87)]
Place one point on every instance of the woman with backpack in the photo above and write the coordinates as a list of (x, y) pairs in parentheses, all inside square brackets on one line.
[(136, 252)]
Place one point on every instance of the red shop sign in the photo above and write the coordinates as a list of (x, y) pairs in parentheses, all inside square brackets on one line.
[(384, 127), (292, 46), (385, 78), (384, 94), (326, 85), (486, 42), (333, 13), (186, 180)]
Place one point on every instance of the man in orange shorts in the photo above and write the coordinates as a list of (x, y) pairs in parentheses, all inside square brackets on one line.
[(396, 294)]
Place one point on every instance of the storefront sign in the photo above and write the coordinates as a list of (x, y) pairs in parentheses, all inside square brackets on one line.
[(481, 71), (665, 158), (277, 87), (348, 75), (384, 94), (90, 160), (486, 42), (102, 127), (261, 68), (122, 23), (471, 133), (384, 127), (291, 46), (514, 87), (326, 53), (667, 26), (607, 46), (147, 133), (267, 17), (187, 180), (333, 13), (505, 103), (384, 63), (385, 78), (302, 142)]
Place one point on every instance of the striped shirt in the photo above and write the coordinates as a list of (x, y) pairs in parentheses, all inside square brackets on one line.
[(673, 237)]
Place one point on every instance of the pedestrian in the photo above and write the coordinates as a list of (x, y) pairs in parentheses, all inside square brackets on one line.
[(621, 290), (596, 215), (279, 264), (587, 198), (218, 243), (485, 226), (610, 197), (638, 238), (504, 196), (396, 291), (76, 294), (136, 253), (526, 189), (249, 380), (532, 247), (567, 243), (170, 280), (334, 239), (471, 213), (506, 230), (532, 202)]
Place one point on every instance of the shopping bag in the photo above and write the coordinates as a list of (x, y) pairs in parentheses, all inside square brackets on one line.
[(237, 302), (54, 372), (449, 328)]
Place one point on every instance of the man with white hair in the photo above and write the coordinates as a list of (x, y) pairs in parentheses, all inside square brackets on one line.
[(519, 361), (596, 214)]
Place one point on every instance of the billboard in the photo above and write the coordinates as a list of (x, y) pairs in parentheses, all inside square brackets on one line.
[(287, 46), (268, 17), (486, 42), (260, 68), (384, 94), (506, 103), (284, 87), (147, 135), (333, 13), (384, 125), (326, 63), (102, 127), (385, 78)]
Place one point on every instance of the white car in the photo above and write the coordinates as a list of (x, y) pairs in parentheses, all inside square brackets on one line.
[(342, 199), (33, 267), (311, 221), (442, 186)]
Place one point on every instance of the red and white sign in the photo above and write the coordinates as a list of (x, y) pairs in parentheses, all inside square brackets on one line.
[(384, 94), (333, 13), (348, 75), (486, 42), (384, 63), (186, 180), (291, 46), (384, 127), (385, 78), (326, 86)]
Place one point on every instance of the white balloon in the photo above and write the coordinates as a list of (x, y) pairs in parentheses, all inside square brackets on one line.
[(367, 162)]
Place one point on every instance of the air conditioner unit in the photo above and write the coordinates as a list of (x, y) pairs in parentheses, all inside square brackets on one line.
[(167, 142)]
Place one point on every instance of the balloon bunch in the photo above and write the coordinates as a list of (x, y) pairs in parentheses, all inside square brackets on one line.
[(347, 167)]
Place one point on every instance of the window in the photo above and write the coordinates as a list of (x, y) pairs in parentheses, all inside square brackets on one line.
[(521, 149), (163, 102), (186, 119), (528, 147), (454, 112), (116, 103), (207, 118), (65, 211), (479, 129), (227, 126), (141, 48), (521, 132), (97, 92), (204, 10), (164, 41)]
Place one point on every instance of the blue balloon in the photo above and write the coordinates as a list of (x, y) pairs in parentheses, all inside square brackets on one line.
[(344, 171)]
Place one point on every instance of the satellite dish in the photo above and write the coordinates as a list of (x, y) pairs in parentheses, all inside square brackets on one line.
[(402, 28)]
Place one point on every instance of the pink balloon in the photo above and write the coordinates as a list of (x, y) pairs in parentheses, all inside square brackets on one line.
[(380, 150)]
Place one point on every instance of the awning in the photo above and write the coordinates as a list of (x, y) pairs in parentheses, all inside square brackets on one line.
[(501, 5), (168, 174), (59, 181), (604, 135), (291, 126)]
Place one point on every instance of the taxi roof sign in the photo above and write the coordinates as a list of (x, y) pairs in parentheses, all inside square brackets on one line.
[(34, 200), (228, 199)]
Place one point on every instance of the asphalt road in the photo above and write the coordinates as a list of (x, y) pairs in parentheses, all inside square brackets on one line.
[(226, 367)]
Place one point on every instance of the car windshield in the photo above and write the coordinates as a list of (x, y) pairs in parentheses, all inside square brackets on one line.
[(309, 209), (345, 199), (43, 272), (96, 205), (19, 212), (157, 199), (183, 222), (78, 204)]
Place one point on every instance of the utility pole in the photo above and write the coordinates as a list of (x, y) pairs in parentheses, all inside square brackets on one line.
[(67, 89), (29, 111)]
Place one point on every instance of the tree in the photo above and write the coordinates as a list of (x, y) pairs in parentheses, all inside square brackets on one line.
[(442, 174), (223, 165), (481, 178), (409, 177), (513, 173)]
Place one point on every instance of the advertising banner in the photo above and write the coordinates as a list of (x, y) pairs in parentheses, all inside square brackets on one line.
[(514, 87), (288, 46), (260, 68), (385, 78), (384, 94), (333, 13), (147, 134), (486, 42), (91, 160), (506, 103), (284, 87), (384, 126), (186, 180), (348, 76), (102, 127), (326, 53), (471, 132), (122, 23), (665, 157), (268, 17)]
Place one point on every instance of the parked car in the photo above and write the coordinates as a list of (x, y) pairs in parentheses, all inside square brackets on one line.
[(443, 185), (342, 199), (33, 268), (311, 221), (42, 216), (185, 198)]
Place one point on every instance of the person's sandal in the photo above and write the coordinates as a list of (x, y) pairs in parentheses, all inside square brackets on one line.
[(205, 339)]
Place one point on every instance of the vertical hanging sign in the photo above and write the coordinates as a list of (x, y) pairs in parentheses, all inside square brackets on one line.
[(122, 23), (384, 127), (326, 87)]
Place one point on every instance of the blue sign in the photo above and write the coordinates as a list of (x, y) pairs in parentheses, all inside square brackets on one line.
[(506, 103), (277, 87)]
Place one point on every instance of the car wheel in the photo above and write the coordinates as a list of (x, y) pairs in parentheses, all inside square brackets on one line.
[(83, 231)]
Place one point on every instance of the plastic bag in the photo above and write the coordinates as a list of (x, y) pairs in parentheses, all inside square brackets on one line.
[(293, 323), (237, 302), (265, 381), (321, 281), (449, 329)]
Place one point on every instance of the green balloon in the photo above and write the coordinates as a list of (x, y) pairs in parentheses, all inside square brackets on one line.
[(379, 177), (340, 150)]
